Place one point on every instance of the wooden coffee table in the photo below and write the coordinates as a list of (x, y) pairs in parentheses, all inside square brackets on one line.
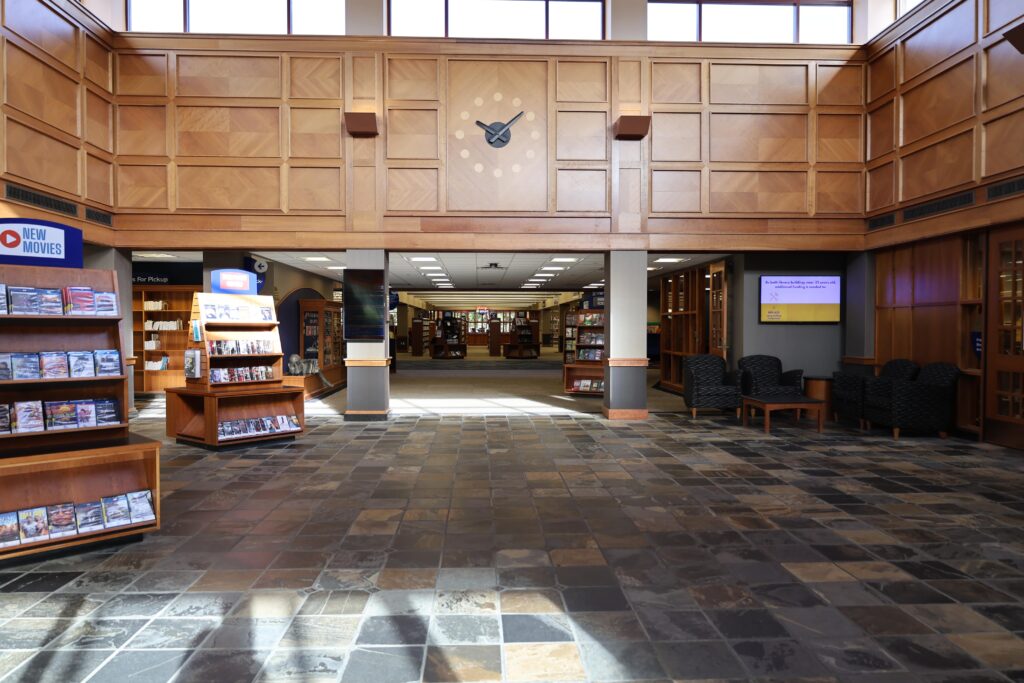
[(768, 404)]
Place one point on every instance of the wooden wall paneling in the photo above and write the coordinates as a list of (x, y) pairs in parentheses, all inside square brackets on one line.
[(582, 190), (40, 158), (412, 189), (228, 131), (882, 130), (365, 179), (840, 84), (630, 81), (581, 136), (629, 213), (675, 136), (142, 130), (141, 74), (99, 124), (97, 63), (314, 188), (903, 332), (939, 102), (315, 133), (903, 276), (759, 83), (936, 267), (37, 23), (883, 335), (952, 31), (885, 293), (314, 78), (229, 187), (581, 81), (39, 90), (675, 82), (938, 167), (142, 187), (363, 205), (216, 75), (413, 79), (412, 133), (882, 74), (999, 13), (934, 338), (99, 180), (1004, 144), (1004, 74), (840, 138), (758, 191), (675, 191), (758, 137), (364, 79), (839, 192)]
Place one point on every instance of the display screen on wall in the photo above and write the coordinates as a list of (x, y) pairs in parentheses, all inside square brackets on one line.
[(365, 307), (800, 298)]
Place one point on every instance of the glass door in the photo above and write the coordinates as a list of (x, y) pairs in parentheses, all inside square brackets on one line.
[(717, 314), (1004, 412)]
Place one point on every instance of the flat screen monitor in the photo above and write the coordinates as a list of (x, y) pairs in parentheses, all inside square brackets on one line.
[(800, 298), (365, 302)]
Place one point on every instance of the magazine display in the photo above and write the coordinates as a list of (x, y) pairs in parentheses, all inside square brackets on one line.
[(239, 347), (15, 300), (258, 426), (258, 373), (36, 416)]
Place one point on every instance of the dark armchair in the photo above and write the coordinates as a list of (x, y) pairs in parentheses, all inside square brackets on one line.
[(848, 388), (707, 385), (762, 376), (923, 404)]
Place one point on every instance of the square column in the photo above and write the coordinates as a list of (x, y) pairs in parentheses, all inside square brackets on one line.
[(367, 362), (625, 387)]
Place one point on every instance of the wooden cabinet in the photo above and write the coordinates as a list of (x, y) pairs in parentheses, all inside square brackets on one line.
[(160, 315), (684, 322)]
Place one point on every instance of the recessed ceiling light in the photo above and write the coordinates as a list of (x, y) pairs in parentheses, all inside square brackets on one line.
[(543, 274), (553, 268), (431, 268), (154, 255), (318, 259), (595, 284), (423, 259), (336, 267), (652, 268), (591, 286), (667, 260), (564, 259), (436, 275), (536, 279)]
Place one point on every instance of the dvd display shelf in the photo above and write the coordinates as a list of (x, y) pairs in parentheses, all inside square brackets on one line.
[(449, 340), (58, 461), (584, 352), (524, 339), (322, 346), (160, 315), (233, 371)]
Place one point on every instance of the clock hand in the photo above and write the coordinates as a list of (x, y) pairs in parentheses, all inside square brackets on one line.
[(495, 136), (485, 127)]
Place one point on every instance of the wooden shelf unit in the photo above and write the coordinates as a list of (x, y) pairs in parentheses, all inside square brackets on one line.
[(178, 299), (195, 410), (441, 346), (573, 368), (971, 322), (524, 339), (326, 347), (70, 465), (684, 306), (421, 334)]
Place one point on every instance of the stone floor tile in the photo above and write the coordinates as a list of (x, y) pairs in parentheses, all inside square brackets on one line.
[(463, 663), (543, 662)]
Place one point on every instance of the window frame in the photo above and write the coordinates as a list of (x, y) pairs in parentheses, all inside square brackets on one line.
[(185, 23), (795, 4), (547, 20)]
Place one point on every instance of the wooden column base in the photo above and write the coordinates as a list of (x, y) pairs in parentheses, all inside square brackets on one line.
[(625, 413)]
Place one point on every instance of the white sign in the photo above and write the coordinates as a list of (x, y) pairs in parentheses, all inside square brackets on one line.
[(31, 241)]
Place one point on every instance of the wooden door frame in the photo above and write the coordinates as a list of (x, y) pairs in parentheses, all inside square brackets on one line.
[(1002, 432)]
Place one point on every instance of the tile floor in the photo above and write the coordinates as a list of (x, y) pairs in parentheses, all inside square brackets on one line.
[(547, 548)]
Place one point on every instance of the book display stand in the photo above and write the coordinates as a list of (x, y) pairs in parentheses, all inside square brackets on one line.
[(450, 339), (584, 352), (64, 440), (234, 384), (322, 347), (524, 341), (160, 327)]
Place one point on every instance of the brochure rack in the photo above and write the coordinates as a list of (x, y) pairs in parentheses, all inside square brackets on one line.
[(584, 352)]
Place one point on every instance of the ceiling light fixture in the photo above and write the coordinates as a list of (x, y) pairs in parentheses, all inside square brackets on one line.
[(336, 267), (667, 260), (564, 259), (154, 255), (553, 268), (317, 259), (652, 268), (431, 268), (543, 274), (423, 259)]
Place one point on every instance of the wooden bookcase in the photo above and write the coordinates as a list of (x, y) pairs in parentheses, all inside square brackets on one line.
[(580, 322), (442, 345), (970, 385), (176, 303), (421, 334), (524, 339), (494, 338), (684, 304), (70, 465), (326, 346), (195, 410)]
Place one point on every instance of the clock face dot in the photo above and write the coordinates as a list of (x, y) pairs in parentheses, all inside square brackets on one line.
[(479, 168), (497, 173), (535, 135), (530, 154), (530, 116), (479, 101), (498, 97), (516, 101), (459, 135), (516, 168), (464, 154), (464, 116)]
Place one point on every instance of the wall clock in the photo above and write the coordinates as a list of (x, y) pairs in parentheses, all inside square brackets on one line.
[(497, 135)]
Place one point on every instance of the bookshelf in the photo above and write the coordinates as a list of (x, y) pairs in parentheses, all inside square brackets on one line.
[(524, 338), (421, 332), (970, 384), (74, 464), (684, 303), (233, 336), (584, 351), (321, 340), (154, 308), (449, 340), (494, 337)]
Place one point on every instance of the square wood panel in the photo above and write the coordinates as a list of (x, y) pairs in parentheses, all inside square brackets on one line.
[(939, 102), (229, 131), (1004, 74), (758, 84), (141, 187), (315, 78), (98, 121), (1003, 149), (229, 188), (97, 63), (36, 156), (41, 91), (141, 130), (882, 74), (840, 84), (582, 190), (882, 186), (314, 189), (364, 78), (412, 79), (38, 23), (675, 191), (582, 81), (675, 136), (675, 83), (758, 137), (412, 134), (758, 192), (840, 138), (882, 130), (629, 81), (315, 133), (944, 36), (582, 135), (227, 76), (938, 167), (839, 192), (141, 74), (99, 180), (412, 189)]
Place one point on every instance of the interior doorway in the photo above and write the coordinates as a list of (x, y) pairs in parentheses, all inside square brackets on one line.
[(1004, 413)]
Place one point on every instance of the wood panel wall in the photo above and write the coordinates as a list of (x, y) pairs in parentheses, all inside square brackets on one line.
[(945, 103)]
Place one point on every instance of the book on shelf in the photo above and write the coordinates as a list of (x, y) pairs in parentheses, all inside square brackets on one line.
[(108, 411), (79, 301), (115, 511), (61, 520), (5, 367), (585, 385), (60, 415), (5, 418), (108, 362), (89, 516), (9, 529), (33, 525), (25, 365), (53, 364), (140, 506), (81, 364), (28, 417), (85, 412)]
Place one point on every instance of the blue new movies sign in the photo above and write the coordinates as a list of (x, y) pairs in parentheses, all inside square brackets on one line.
[(29, 242)]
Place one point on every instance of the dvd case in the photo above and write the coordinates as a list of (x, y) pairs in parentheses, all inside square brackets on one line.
[(106, 303), (79, 301), (62, 520), (33, 525), (5, 418), (108, 411), (108, 362), (6, 372), (60, 415), (28, 417), (9, 529), (25, 365), (115, 511), (90, 517), (3, 299), (140, 504), (53, 364), (81, 364), (85, 411), (23, 300), (51, 302)]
